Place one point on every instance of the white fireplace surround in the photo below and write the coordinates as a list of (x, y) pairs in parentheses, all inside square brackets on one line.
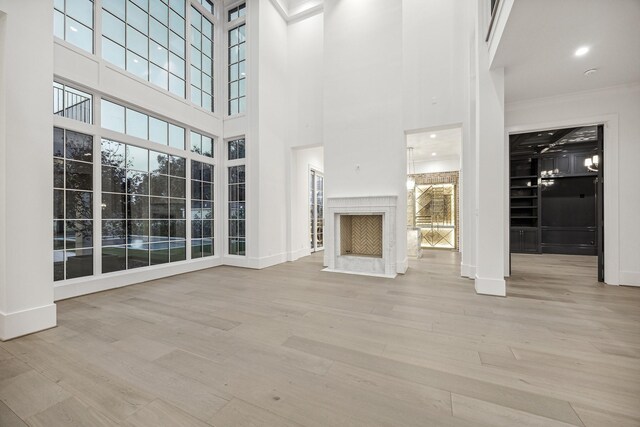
[(354, 264)]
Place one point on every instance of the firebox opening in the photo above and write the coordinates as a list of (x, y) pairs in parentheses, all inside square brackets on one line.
[(361, 235)]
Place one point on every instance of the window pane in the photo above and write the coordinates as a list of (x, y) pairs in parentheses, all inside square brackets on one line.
[(158, 130), (137, 42), (81, 10), (176, 136), (113, 153), (137, 158), (178, 6), (137, 18), (113, 53), (158, 163), (137, 65), (112, 116), (176, 85), (159, 55), (117, 7), (137, 124), (159, 33), (79, 205), (176, 44), (79, 35), (176, 23), (160, 11), (113, 28), (58, 24), (158, 76)]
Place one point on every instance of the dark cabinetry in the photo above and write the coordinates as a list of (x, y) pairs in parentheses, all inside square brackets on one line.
[(552, 199), (524, 239)]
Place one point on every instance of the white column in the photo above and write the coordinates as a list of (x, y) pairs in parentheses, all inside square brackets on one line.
[(490, 171), (364, 148), (26, 168), (468, 176)]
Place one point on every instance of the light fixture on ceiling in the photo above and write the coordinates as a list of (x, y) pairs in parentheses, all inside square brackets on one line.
[(581, 51), (72, 28), (433, 136), (592, 163), (411, 169), (434, 153)]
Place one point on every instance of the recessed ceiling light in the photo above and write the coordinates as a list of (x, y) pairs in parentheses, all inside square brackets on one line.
[(433, 136), (433, 154), (72, 28), (582, 51)]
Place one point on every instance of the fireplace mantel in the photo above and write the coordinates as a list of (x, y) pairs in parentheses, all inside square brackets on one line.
[(385, 206)]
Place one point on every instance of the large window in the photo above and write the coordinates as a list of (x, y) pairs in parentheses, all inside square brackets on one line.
[(201, 60), (202, 192), (73, 22), (147, 38), (237, 70), (127, 120), (236, 198), (72, 204), (201, 144), (71, 103), (143, 207)]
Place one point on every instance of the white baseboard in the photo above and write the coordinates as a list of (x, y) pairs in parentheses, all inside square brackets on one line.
[(19, 323), (254, 262), (468, 271), (272, 260), (300, 253), (403, 266), (89, 285), (630, 278), (496, 287)]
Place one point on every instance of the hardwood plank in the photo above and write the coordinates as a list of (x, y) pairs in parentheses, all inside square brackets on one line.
[(497, 415), (8, 418), (29, 393), (513, 398), (161, 414), (240, 413), (69, 413)]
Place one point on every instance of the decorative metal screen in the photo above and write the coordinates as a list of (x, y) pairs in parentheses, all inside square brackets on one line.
[(435, 215)]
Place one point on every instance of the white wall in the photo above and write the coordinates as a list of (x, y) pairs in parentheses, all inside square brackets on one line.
[(443, 164), (365, 153), (623, 103), (435, 54), (304, 159), (271, 138), (304, 81), (26, 200)]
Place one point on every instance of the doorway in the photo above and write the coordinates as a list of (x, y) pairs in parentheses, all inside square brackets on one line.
[(556, 193), (316, 210)]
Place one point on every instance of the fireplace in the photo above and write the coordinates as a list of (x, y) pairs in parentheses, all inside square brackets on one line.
[(360, 235)]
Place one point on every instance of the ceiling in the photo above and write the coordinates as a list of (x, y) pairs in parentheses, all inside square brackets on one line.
[(446, 144), (557, 140), (541, 36)]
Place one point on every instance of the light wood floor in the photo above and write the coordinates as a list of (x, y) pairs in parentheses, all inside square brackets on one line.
[(294, 346)]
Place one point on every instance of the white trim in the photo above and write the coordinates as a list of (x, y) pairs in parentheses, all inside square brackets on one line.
[(468, 271), (300, 253), (88, 285), (19, 323), (630, 278), (495, 287), (611, 180), (403, 266)]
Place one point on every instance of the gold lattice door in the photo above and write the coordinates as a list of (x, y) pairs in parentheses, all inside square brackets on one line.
[(436, 215)]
